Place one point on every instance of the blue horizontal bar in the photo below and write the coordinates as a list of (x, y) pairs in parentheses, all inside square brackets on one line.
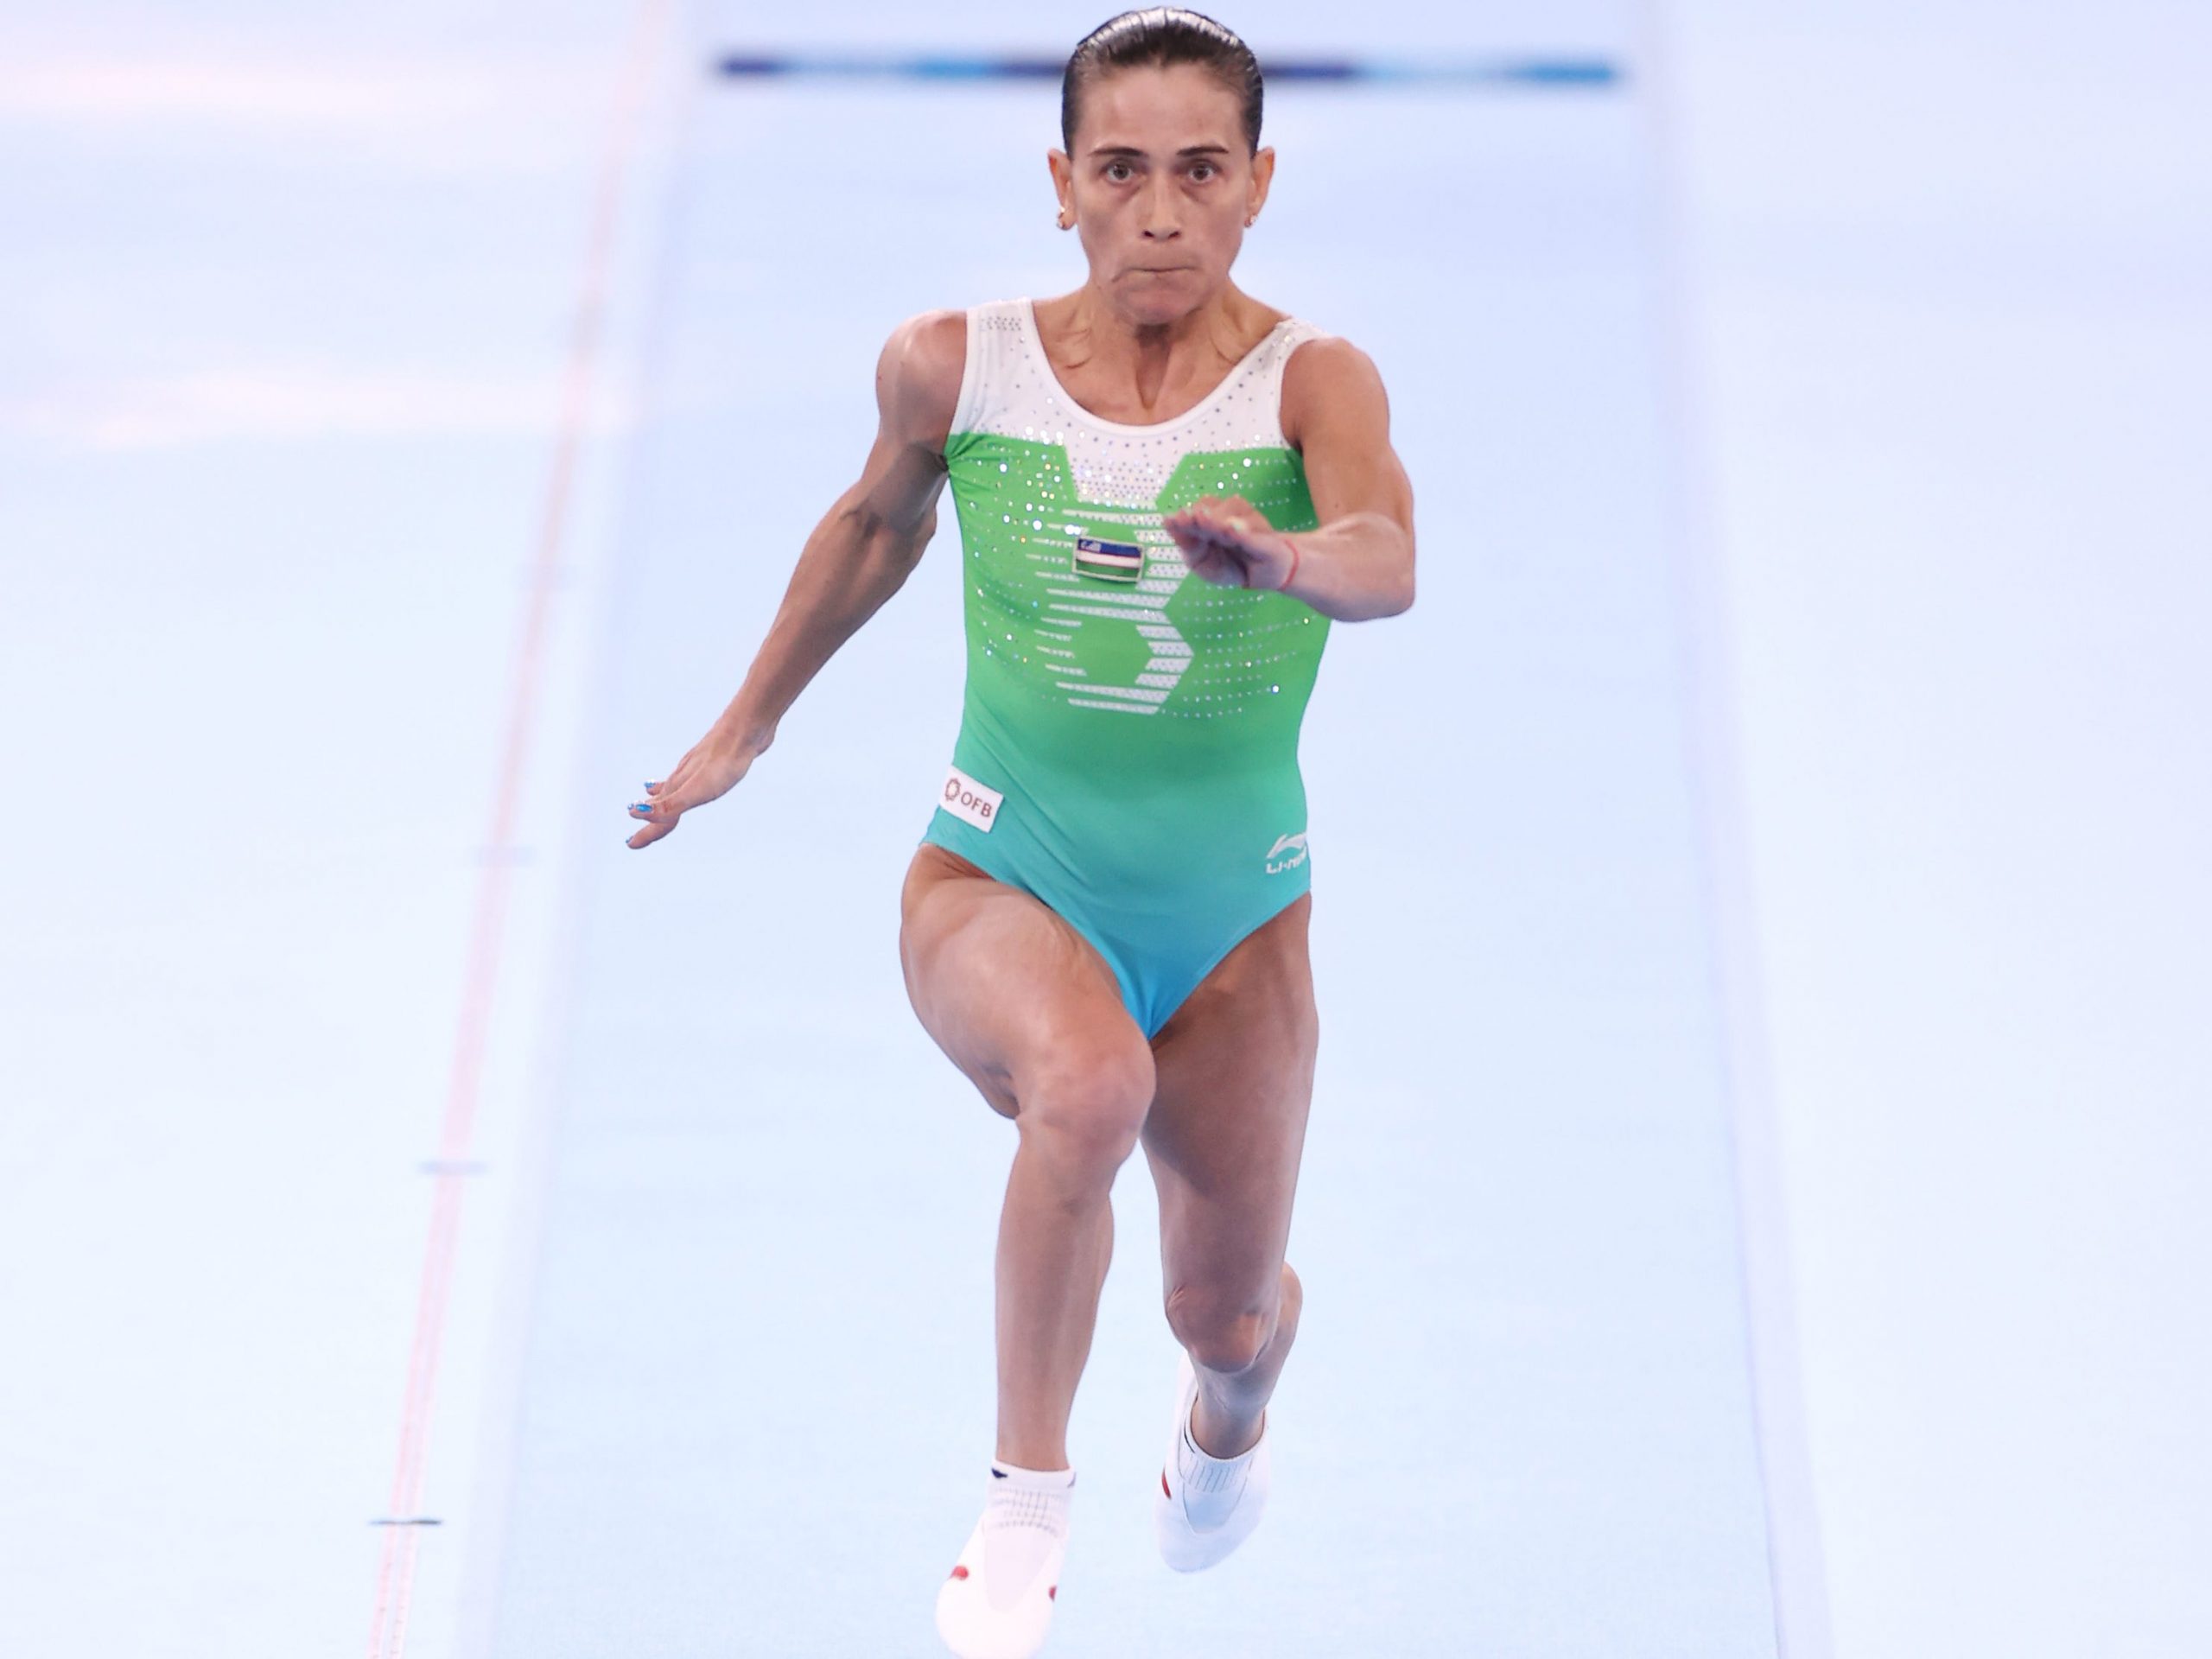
[(1574, 73)]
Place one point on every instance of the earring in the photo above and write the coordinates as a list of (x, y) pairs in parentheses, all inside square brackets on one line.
[(1248, 223), (1064, 222)]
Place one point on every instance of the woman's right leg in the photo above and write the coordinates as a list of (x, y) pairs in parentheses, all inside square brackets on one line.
[(1025, 1005)]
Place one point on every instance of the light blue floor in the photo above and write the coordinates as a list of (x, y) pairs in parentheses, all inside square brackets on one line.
[(1952, 317), (755, 1400), (1868, 820)]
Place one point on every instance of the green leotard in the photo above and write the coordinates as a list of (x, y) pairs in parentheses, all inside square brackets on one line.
[(1128, 746)]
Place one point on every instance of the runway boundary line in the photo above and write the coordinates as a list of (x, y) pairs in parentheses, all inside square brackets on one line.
[(396, 1564), (1796, 1562)]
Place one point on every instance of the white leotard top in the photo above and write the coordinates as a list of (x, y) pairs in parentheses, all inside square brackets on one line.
[(1008, 388)]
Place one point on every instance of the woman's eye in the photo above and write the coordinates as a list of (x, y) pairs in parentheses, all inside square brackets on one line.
[(1204, 168), (1117, 171)]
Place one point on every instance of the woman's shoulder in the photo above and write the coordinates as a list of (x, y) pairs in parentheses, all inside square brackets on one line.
[(917, 376), (928, 342), (1327, 373)]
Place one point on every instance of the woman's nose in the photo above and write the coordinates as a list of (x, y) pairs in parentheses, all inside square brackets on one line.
[(1161, 210)]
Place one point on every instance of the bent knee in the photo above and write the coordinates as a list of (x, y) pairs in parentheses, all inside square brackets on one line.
[(1087, 1105), (1225, 1335)]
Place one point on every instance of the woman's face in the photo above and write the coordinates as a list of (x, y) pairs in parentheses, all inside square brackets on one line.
[(1159, 185)]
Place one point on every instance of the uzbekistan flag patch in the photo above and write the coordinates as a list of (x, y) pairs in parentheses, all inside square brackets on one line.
[(1110, 561)]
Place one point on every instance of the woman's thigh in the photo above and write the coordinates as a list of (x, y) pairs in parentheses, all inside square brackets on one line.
[(1013, 994), (1233, 1079)]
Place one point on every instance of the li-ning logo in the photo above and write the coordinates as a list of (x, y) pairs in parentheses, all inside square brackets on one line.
[(964, 797), (1288, 854)]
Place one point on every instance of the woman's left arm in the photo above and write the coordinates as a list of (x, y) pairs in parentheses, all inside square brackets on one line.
[(1359, 563)]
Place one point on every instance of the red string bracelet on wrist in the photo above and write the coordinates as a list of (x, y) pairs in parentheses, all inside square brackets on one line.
[(1292, 574)]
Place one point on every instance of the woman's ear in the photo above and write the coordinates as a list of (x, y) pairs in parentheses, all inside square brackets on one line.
[(1263, 173), (1063, 186)]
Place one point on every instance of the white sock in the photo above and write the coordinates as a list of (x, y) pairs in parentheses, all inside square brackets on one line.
[(1210, 1486), (1024, 1514)]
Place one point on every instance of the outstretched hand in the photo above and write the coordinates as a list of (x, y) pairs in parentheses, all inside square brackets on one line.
[(709, 772), (1230, 543)]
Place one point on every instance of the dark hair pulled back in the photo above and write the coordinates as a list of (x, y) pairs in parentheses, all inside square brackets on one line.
[(1161, 35)]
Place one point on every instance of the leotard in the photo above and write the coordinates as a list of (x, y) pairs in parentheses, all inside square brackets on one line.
[(1128, 742)]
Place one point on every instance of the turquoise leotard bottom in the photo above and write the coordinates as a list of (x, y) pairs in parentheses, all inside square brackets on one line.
[(1161, 939)]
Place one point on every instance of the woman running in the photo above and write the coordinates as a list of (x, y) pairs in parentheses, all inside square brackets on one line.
[(1166, 492)]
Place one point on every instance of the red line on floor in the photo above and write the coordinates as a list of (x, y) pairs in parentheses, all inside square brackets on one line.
[(396, 1569)]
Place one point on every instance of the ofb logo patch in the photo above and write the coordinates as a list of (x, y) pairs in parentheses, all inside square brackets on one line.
[(1288, 854), (964, 797)]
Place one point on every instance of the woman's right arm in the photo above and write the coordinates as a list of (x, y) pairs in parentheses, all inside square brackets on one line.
[(860, 553)]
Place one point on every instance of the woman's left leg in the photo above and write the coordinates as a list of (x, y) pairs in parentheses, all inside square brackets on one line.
[(1234, 1067)]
